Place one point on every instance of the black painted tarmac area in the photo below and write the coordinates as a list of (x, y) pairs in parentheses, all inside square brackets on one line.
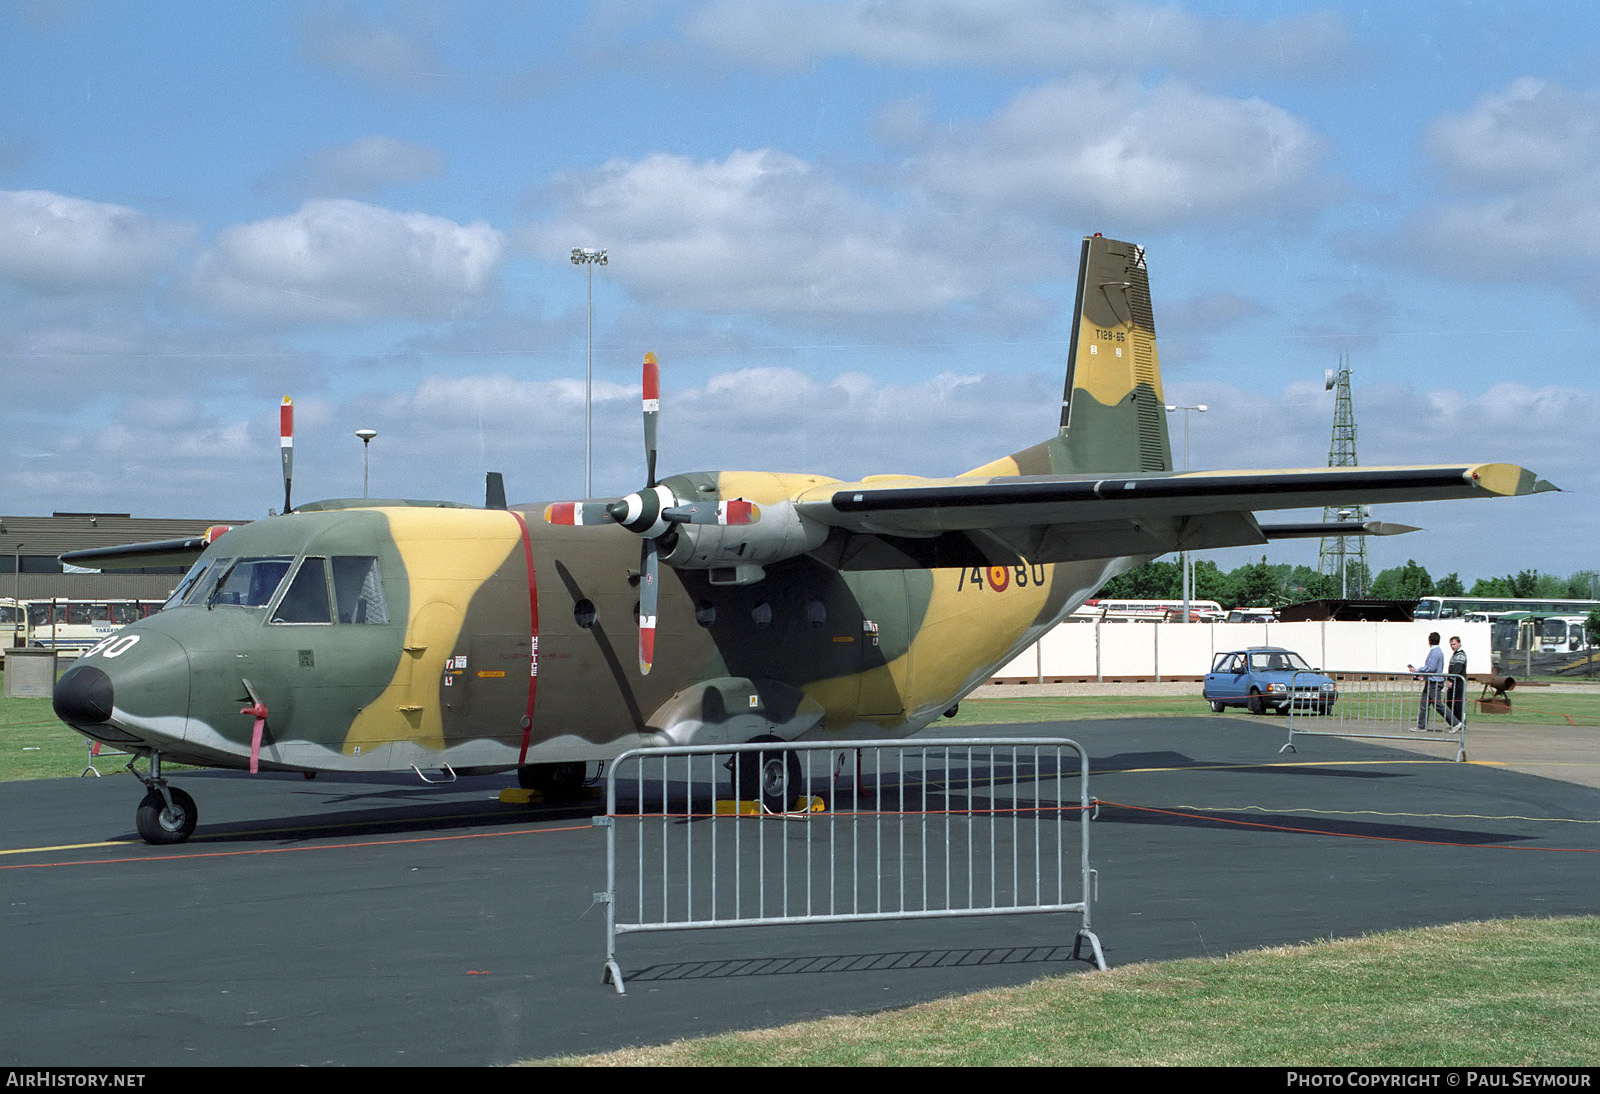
[(391, 923)]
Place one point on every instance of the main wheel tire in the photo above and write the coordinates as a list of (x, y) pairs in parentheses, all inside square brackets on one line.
[(1217, 706), (1254, 702), (552, 779), (772, 776), (160, 825)]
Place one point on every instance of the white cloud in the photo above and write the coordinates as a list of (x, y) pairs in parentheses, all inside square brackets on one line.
[(57, 244), (1142, 158), (382, 55), (1531, 130), (1008, 34), (345, 261), (1529, 158), (366, 165), (759, 231)]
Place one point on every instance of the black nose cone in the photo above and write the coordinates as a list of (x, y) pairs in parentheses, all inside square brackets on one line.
[(83, 696)]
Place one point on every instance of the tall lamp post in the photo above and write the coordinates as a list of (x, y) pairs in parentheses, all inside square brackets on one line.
[(366, 436), (1188, 567), (19, 624), (589, 258)]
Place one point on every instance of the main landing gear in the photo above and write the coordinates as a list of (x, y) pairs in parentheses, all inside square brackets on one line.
[(167, 814), (774, 775), (554, 781)]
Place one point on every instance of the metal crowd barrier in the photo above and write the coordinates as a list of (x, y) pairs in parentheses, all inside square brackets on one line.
[(97, 750), (845, 832), (1414, 707)]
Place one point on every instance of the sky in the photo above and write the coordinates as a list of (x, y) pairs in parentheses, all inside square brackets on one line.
[(848, 229)]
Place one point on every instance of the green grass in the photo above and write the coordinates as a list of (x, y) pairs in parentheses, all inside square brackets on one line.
[(35, 744), (1529, 706), (1504, 993), (1067, 708)]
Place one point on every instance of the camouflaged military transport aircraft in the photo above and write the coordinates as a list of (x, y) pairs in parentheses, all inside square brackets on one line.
[(381, 636)]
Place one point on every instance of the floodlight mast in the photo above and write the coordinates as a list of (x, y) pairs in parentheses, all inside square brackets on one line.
[(589, 258), (366, 436), (1188, 563)]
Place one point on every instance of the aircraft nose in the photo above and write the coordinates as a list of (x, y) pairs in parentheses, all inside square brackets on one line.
[(83, 696)]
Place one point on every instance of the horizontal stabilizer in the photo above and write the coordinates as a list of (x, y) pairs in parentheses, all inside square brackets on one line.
[(1319, 530)]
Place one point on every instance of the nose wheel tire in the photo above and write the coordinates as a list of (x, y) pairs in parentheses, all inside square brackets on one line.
[(160, 824)]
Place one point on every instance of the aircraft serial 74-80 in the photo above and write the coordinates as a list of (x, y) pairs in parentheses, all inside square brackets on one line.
[(379, 636)]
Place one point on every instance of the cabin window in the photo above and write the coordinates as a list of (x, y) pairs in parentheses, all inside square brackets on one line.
[(816, 612), (250, 582), (762, 614), (307, 598), (583, 613), (358, 589), (705, 613)]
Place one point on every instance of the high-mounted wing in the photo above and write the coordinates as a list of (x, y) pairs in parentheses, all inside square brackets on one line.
[(138, 556), (1054, 518)]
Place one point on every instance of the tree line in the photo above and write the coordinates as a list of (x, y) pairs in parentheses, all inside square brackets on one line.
[(1263, 584)]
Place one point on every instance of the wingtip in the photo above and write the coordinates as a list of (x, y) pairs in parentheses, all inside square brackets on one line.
[(1509, 480)]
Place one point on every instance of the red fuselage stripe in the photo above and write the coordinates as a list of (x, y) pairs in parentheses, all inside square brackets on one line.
[(533, 636)]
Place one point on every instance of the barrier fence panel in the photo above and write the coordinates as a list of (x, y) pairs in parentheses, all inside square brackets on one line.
[(1413, 707), (854, 831)]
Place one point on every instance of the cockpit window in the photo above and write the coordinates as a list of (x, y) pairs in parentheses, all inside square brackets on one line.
[(306, 600), (187, 584), (197, 584), (358, 589), (250, 582)]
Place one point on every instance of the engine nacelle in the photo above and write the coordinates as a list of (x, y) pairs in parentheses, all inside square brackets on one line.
[(743, 549)]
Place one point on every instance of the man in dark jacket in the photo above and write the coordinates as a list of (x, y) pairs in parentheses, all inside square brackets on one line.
[(1458, 679)]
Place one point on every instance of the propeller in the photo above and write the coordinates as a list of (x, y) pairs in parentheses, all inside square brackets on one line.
[(653, 514), (286, 445)]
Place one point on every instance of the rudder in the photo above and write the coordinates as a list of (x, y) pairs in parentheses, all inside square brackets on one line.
[(1112, 416)]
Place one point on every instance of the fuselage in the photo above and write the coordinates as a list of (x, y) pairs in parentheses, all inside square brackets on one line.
[(386, 636)]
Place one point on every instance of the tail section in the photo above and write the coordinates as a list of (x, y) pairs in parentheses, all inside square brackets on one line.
[(1112, 417)]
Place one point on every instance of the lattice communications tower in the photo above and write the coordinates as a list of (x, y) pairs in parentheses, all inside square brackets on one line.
[(1344, 557)]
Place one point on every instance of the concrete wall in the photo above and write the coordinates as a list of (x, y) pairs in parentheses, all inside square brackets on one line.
[(1178, 651)]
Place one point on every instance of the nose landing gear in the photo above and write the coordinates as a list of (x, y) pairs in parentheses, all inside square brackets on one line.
[(166, 815)]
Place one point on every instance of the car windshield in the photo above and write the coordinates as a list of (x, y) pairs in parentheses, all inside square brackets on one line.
[(1277, 661)]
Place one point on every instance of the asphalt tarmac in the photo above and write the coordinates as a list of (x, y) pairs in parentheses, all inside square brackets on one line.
[(391, 923)]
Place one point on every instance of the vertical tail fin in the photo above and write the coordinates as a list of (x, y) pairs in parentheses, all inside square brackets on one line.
[(1111, 408)]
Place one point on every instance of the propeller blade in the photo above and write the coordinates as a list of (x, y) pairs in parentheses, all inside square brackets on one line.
[(733, 511), (649, 567), (576, 512), (652, 414), (286, 445), (257, 710)]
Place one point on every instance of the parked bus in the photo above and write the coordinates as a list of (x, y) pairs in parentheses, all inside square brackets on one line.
[(1148, 611), (12, 631), (1513, 632), (64, 624), (1457, 607)]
